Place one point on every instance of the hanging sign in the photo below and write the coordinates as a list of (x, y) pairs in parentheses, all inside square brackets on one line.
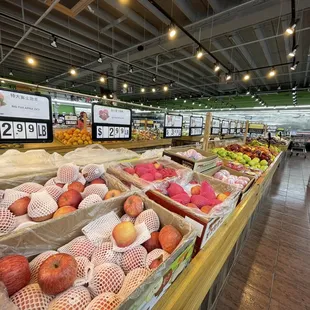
[(173, 126), (110, 123), (215, 126), (71, 120), (195, 125), (256, 128), (25, 117), (225, 127)]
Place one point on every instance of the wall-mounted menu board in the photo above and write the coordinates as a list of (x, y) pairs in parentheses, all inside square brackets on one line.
[(25, 117), (110, 123), (225, 127), (173, 126), (195, 126), (215, 126)]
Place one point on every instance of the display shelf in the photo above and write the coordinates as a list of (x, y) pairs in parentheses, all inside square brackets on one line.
[(192, 286)]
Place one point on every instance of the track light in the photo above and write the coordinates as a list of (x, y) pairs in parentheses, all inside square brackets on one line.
[(258, 88), (172, 31), (2, 82), (279, 87), (111, 95), (11, 73), (216, 67), (184, 101), (290, 30), (72, 71), (165, 88), (199, 53), (176, 98), (125, 85), (256, 99), (142, 90), (153, 90), (272, 72), (54, 42), (253, 96), (104, 97), (72, 85), (293, 52), (100, 58), (193, 103), (46, 79), (246, 77), (209, 98), (294, 65), (248, 92), (130, 69), (31, 60), (171, 84), (154, 78), (95, 89), (102, 79), (228, 76), (294, 88)]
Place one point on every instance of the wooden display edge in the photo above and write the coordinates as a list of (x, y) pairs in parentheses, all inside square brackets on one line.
[(191, 287)]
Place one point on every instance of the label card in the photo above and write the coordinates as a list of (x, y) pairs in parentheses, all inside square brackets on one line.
[(110, 123), (71, 119), (195, 126), (173, 126), (25, 117)]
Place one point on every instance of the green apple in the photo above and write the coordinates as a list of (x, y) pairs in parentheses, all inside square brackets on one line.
[(264, 163)]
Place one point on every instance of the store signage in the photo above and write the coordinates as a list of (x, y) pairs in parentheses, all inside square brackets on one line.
[(71, 120), (256, 128), (195, 125), (225, 127), (110, 123), (173, 126), (25, 117), (232, 129), (215, 127)]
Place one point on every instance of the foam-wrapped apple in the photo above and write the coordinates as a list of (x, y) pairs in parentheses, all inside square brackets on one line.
[(239, 181), (124, 234)]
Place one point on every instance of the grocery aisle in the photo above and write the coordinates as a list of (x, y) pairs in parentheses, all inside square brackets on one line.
[(273, 269)]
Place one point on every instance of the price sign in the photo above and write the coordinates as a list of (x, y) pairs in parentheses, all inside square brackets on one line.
[(173, 126), (216, 127), (225, 124), (71, 120), (110, 123), (195, 126), (232, 127), (25, 117)]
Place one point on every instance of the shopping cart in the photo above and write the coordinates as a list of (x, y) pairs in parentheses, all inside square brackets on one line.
[(299, 146)]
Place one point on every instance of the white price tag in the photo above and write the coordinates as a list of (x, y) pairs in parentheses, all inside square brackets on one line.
[(111, 132), (99, 132), (19, 130), (122, 132), (126, 132), (42, 131), (117, 132), (31, 130)]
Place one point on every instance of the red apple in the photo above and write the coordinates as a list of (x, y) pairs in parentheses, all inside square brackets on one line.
[(156, 262), (63, 211), (169, 238), (153, 242), (70, 198), (112, 193), (78, 186), (124, 234), (19, 207), (133, 206), (57, 273), (98, 181)]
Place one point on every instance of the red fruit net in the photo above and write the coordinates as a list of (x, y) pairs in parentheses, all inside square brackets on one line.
[(150, 218), (156, 253), (85, 271), (75, 298), (31, 297), (107, 278), (54, 190), (29, 187), (7, 221), (41, 204), (99, 189), (35, 264), (134, 258), (68, 173), (133, 280), (105, 301), (92, 172), (80, 246), (10, 196), (127, 218), (89, 201), (104, 254)]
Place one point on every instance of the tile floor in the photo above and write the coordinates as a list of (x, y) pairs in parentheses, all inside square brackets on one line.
[(272, 271)]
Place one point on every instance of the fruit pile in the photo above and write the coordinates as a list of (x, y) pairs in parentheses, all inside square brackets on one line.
[(74, 136), (191, 154), (70, 190), (151, 171), (261, 141), (196, 196), (240, 182), (85, 275), (149, 134)]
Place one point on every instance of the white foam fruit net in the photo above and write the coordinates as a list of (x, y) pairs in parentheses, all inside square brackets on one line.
[(150, 218), (100, 229), (85, 271), (89, 201), (104, 254), (29, 187), (105, 301), (35, 264), (143, 234), (107, 278), (155, 254), (52, 181), (134, 258), (68, 173), (31, 297), (98, 189), (127, 218), (7, 221), (1, 193), (81, 179), (10, 196), (53, 190), (133, 280), (41, 205), (75, 298), (80, 246), (92, 171)]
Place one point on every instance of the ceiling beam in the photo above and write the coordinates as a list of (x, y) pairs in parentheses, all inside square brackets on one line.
[(155, 11), (187, 9), (287, 49)]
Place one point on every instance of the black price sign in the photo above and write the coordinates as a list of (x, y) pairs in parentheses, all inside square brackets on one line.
[(25, 117), (110, 123), (195, 125), (225, 127), (173, 126), (232, 127), (215, 128)]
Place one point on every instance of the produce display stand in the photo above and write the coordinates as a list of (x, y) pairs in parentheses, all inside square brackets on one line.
[(209, 268), (186, 140)]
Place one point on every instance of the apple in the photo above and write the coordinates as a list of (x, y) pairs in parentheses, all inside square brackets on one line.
[(169, 238), (63, 211), (130, 170), (152, 243), (133, 206), (192, 205), (221, 197), (195, 190), (19, 207), (78, 186), (60, 185), (156, 262), (98, 181), (158, 166), (70, 198), (206, 209), (124, 234), (112, 193), (57, 273)]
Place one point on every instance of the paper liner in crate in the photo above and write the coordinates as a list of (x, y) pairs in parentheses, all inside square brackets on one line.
[(178, 171)]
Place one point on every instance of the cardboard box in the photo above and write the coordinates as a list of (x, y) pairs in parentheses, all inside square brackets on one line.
[(204, 224), (61, 231), (201, 165)]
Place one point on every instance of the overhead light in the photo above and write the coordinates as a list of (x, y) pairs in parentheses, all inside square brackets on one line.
[(153, 90), (165, 88), (294, 65), (206, 107), (31, 60), (209, 98), (294, 88), (258, 88), (73, 85), (184, 101), (176, 98), (104, 97), (199, 53), (248, 92), (172, 31), (290, 30), (200, 104), (193, 103), (54, 42), (294, 93), (228, 76), (125, 85), (100, 58), (256, 99), (253, 96), (154, 78), (102, 79), (279, 87), (171, 83), (246, 77), (142, 90), (11, 73), (130, 69), (111, 95), (2, 82), (272, 72), (46, 79), (95, 89), (216, 67), (261, 101), (72, 71), (293, 52)]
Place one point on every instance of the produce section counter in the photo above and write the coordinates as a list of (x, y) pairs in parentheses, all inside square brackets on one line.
[(192, 286)]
